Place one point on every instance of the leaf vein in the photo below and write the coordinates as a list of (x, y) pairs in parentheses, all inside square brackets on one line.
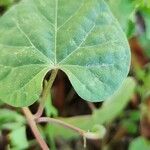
[(20, 88), (70, 17), (86, 36), (31, 43), (43, 15)]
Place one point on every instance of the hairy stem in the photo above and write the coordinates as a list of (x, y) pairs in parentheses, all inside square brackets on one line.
[(59, 122), (33, 126), (46, 91)]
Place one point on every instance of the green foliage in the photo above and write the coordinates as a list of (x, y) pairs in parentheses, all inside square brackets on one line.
[(130, 126), (115, 104), (140, 143), (82, 38), (6, 2), (143, 3), (50, 110), (124, 11), (19, 139), (129, 121), (10, 119), (108, 112), (145, 37), (99, 130), (15, 123), (146, 15), (144, 77)]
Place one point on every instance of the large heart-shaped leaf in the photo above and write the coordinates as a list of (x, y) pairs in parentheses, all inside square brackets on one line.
[(80, 37)]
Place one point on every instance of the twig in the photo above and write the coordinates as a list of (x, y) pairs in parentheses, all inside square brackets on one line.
[(33, 126), (83, 133), (46, 89), (91, 106), (59, 122)]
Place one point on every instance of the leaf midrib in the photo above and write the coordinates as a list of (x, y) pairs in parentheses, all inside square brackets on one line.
[(56, 18), (58, 28)]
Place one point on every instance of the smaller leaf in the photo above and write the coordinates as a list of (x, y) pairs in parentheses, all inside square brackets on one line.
[(10, 119), (9, 115), (122, 10), (115, 104), (49, 108), (6, 2), (107, 113), (18, 138), (97, 132), (140, 143), (130, 126), (100, 130)]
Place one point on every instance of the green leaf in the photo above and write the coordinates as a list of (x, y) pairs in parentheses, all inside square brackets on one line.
[(115, 104), (82, 38), (123, 11), (10, 119), (100, 130), (144, 76), (108, 112), (50, 110), (18, 139), (6, 2), (144, 39), (130, 126), (140, 143)]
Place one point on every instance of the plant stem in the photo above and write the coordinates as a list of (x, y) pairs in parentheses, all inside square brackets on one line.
[(46, 91), (91, 106), (33, 119), (59, 122), (33, 126)]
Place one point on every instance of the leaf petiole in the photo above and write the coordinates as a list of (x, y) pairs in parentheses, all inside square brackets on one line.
[(46, 90)]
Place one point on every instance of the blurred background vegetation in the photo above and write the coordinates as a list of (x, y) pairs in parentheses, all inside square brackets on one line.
[(125, 115)]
